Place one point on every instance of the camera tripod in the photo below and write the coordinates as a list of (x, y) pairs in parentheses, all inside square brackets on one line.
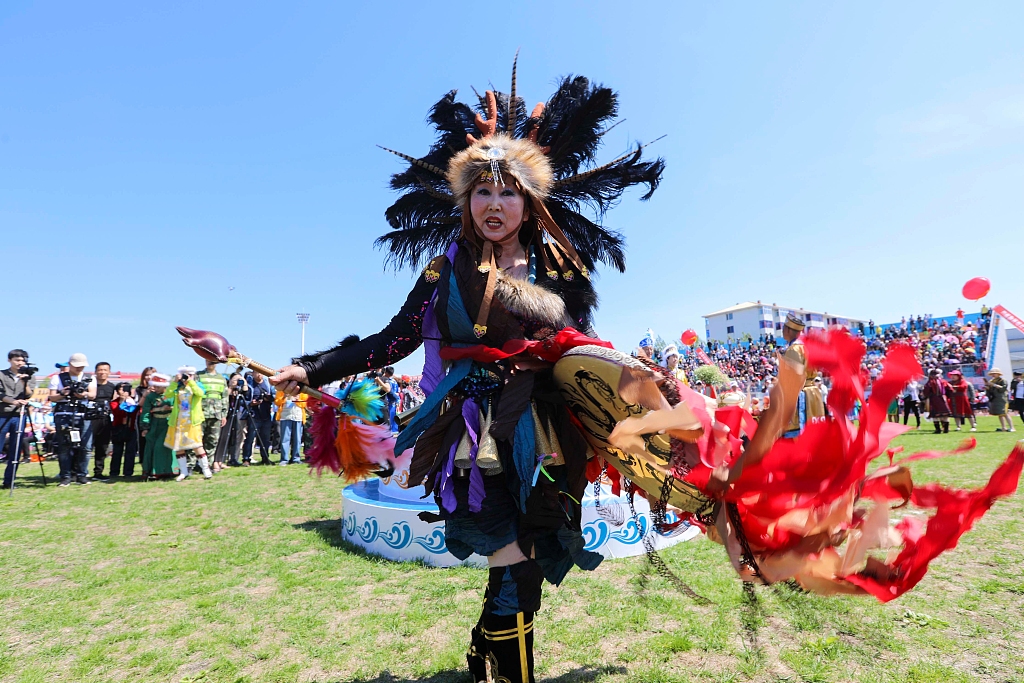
[(17, 452)]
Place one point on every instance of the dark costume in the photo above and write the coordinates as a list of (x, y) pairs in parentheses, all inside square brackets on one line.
[(937, 393), (961, 393), (521, 398), (493, 441)]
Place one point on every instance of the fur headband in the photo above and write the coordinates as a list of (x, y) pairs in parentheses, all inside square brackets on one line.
[(521, 159)]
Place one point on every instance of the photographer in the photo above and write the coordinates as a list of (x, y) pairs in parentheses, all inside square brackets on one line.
[(14, 395), (124, 434), (185, 423), (71, 394), (238, 422), (101, 424), (262, 399)]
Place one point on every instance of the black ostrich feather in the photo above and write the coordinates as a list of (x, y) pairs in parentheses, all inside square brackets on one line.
[(602, 187), (571, 127), (414, 246), (573, 122), (592, 242)]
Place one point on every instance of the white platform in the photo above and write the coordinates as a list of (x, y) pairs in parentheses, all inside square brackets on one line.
[(381, 516)]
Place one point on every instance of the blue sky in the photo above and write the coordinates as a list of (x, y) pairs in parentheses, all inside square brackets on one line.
[(865, 159)]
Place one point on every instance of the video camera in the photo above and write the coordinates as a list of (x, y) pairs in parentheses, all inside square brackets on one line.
[(78, 405), (76, 387), (27, 369)]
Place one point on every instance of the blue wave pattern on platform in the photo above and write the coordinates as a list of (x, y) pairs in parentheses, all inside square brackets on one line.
[(400, 536)]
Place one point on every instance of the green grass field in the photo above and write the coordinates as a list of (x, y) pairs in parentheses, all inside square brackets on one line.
[(245, 578)]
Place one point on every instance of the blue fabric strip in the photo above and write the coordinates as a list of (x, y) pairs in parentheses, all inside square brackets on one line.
[(427, 413), (523, 455)]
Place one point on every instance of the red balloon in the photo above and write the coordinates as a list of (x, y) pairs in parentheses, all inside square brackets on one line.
[(689, 338), (976, 288)]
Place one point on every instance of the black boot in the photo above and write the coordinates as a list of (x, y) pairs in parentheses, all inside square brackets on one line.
[(938, 428), (477, 653), (509, 642), (945, 427)]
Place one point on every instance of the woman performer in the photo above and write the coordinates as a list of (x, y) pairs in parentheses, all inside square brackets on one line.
[(937, 393), (157, 460), (505, 440), (493, 440), (963, 391), (185, 424), (996, 390)]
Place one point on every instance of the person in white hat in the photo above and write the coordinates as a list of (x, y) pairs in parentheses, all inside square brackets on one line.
[(158, 460), (996, 389), (185, 424), (671, 355), (73, 444)]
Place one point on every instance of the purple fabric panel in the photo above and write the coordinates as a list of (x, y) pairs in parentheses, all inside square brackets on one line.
[(476, 488), (447, 485), (433, 366)]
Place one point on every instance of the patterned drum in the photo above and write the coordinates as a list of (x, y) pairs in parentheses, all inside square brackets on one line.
[(588, 378)]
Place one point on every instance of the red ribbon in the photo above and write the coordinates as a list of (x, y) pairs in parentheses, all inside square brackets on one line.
[(549, 349)]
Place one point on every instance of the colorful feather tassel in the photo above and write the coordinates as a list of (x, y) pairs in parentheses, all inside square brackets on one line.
[(361, 449), (364, 401)]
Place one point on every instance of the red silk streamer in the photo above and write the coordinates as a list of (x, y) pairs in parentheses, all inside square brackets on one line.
[(824, 470), (956, 510)]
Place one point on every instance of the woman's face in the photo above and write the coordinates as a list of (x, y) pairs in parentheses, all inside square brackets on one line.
[(498, 210)]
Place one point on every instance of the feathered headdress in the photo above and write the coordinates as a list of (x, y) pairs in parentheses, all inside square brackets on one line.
[(550, 153)]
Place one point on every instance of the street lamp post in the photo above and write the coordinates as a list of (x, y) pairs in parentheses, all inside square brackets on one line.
[(303, 319)]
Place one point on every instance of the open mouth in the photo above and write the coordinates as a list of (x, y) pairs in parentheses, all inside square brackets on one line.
[(493, 222)]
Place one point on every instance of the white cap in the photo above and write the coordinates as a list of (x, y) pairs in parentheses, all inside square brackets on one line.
[(78, 360), (670, 350), (159, 380), (187, 370)]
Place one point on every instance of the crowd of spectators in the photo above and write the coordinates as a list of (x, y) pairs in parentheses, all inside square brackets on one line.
[(752, 363), (241, 415)]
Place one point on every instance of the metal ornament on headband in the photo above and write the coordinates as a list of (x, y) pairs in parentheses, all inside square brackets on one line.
[(495, 155)]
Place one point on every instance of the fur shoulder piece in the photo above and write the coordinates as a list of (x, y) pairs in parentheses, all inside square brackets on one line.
[(531, 302), (312, 357)]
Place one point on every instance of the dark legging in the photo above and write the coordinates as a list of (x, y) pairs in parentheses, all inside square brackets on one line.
[(911, 406)]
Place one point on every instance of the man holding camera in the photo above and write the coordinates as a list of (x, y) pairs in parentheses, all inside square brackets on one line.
[(14, 395), (70, 393), (260, 419)]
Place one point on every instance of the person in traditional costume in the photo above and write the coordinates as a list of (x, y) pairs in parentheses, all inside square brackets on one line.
[(499, 196), (157, 459), (996, 389), (963, 393), (937, 393), (810, 403), (185, 422), (525, 406), (671, 360)]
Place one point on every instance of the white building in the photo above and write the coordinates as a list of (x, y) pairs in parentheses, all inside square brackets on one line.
[(1015, 340), (755, 318)]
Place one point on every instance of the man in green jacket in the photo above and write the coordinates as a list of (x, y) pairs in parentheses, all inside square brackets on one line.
[(215, 410)]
